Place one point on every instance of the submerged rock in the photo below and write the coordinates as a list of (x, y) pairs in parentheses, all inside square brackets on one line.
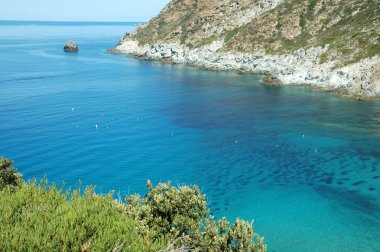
[(271, 80), (71, 46)]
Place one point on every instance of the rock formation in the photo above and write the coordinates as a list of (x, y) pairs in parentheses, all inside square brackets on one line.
[(330, 44), (71, 46)]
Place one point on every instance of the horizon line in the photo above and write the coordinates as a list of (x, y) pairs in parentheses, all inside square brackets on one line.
[(67, 21)]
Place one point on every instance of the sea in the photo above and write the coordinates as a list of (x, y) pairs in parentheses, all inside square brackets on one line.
[(302, 164)]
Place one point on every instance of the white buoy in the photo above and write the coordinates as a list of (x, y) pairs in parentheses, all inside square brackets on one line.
[(236, 141), (96, 126), (72, 109), (316, 150), (303, 136), (277, 145)]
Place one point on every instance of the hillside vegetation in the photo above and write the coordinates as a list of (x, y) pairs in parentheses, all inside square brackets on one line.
[(41, 217), (349, 28)]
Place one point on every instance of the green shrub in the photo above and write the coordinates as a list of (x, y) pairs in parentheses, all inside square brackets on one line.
[(42, 218), (169, 210), (183, 40), (181, 215), (9, 178), (206, 41), (373, 49), (230, 34), (323, 58)]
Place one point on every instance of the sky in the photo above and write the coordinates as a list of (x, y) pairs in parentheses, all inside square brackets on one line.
[(80, 10)]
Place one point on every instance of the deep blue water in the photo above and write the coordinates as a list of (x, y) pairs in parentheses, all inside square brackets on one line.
[(304, 164)]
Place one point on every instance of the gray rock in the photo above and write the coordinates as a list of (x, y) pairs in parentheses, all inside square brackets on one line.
[(71, 46), (361, 79)]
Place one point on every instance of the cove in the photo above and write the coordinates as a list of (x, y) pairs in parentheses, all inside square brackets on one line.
[(304, 164)]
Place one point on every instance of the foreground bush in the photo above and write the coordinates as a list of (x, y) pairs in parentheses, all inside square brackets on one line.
[(8, 176), (41, 218), (180, 214)]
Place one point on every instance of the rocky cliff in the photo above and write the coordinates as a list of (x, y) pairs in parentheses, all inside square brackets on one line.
[(330, 44)]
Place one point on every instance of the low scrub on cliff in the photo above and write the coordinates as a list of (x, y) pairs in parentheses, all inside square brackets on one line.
[(41, 217), (348, 29)]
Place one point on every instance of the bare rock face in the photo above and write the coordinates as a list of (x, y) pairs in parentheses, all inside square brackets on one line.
[(71, 46)]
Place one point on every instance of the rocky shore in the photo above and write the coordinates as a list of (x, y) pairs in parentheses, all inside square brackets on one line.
[(361, 79), (332, 45)]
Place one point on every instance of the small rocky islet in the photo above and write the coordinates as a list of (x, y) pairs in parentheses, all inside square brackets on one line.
[(71, 46)]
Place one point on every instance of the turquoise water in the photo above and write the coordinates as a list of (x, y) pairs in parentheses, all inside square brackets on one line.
[(304, 164)]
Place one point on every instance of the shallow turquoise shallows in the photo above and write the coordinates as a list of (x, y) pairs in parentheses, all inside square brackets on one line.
[(304, 164)]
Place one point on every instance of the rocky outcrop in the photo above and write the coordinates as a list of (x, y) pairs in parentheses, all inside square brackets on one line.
[(71, 46), (361, 79), (312, 42)]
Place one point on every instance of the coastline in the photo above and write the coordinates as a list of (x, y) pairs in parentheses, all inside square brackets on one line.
[(360, 80)]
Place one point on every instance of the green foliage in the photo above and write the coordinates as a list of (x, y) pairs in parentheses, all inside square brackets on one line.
[(9, 178), (373, 49), (323, 58), (348, 10), (42, 218), (206, 41), (230, 34), (350, 28), (190, 45), (308, 13), (181, 215), (168, 210), (220, 236), (183, 40)]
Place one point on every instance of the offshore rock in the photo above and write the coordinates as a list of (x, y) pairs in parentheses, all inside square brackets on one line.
[(71, 46)]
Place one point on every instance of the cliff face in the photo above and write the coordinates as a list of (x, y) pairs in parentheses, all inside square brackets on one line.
[(332, 44)]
